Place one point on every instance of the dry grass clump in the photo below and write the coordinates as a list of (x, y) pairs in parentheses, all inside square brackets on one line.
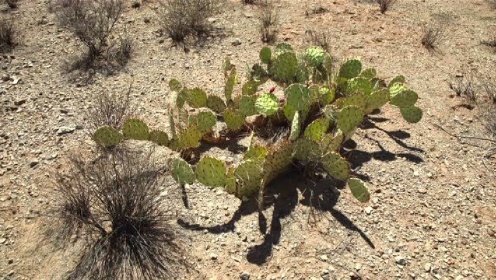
[(464, 86), (112, 209), (8, 34), (432, 36), (268, 22), (12, 3), (385, 5)]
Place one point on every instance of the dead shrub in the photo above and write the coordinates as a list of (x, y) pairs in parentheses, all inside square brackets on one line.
[(490, 43), (319, 38), (432, 36), (385, 5), (12, 3), (109, 109), (463, 86), (492, 3), (111, 208), (7, 34), (183, 18), (316, 8), (268, 22), (92, 22)]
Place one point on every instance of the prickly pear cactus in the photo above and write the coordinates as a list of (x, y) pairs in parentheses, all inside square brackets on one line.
[(211, 172), (182, 171), (135, 129), (159, 137), (267, 104), (107, 137)]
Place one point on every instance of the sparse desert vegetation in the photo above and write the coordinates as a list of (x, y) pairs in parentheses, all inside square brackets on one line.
[(247, 139)]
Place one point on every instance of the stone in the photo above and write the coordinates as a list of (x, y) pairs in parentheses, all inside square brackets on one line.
[(236, 42), (368, 210), (400, 260), (245, 276), (427, 267), (66, 129)]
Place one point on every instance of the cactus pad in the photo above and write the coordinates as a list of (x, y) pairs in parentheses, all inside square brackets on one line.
[(175, 85), (377, 99), (250, 88), (279, 158), (297, 99), (229, 86), (182, 171), (107, 137), (196, 98), (357, 100), (397, 79), (189, 138), (284, 67), (358, 85), (402, 98), (216, 104), (247, 105), (331, 143), (234, 119), (359, 189), (316, 130), (307, 150), (211, 172), (159, 137), (315, 56), (135, 129), (368, 74), (265, 55), (349, 118), (411, 114), (267, 104), (249, 178), (336, 166), (204, 121), (350, 69), (295, 127), (256, 153), (327, 95)]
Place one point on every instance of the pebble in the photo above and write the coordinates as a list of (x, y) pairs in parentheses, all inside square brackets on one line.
[(213, 256), (236, 42), (427, 267), (2, 240), (66, 129), (368, 210), (245, 276), (324, 258), (33, 163), (400, 260)]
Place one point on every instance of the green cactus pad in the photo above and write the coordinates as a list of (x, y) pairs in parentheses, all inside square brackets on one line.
[(411, 114), (267, 104), (196, 98), (349, 118), (256, 153), (265, 55), (250, 88), (377, 99), (350, 69), (359, 189), (258, 74), (295, 127), (216, 104), (358, 85), (278, 159), (189, 138), (229, 86), (314, 93), (181, 97), (247, 105), (404, 98), (336, 166), (159, 137), (135, 129), (234, 119), (182, 171), (249, 178), (331, 142), (231, 181), (397, 80), (284, 67), (316, 130), (211, 172), (327, 64), (327, 95), (282, 48), (204, 121), (357, 100), (315, 56), (368, 74), (175, 85), (107, 137), (307, 150), (297, 99)]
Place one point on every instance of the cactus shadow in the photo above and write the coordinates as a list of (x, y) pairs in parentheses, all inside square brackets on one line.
[(396, 135), (283, 194)]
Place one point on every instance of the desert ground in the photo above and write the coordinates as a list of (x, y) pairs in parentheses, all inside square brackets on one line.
[(432, 213)]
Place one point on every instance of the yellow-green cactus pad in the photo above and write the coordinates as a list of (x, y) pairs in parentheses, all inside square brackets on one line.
[(247, 105), (189, 138), (359, 189), (107, 137), (135, 129), (350, 69), (349, 118), (234, 119), (295, 127), (267, 104), (315, 56), (196, 98), (204, 121), (216, 104), (336, 166), (175, 85), (265, 55), (211, 172), (182, 171), (316, 130), (159, 137), (307, 150), (249, 178)]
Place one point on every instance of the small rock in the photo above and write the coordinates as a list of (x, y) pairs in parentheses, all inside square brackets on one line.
[(427, 267), (213, 256), (236, 42), (324, 258), (245, 276), (212, 20), (20, 102), (368, 210), (66, 129), (5, 77), (422, 190), (33, 163), (400, 260), (2, 240)]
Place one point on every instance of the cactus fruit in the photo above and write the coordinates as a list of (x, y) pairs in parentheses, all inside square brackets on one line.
[(411, 114), (189, 138), (182, 171), (307, 150), (211, 172), (349, 118), (175, 85), (403, 98), (267, 104), (315, 56), (135, 129), (159, 137), (359, 189), (107, 137), (247, 105), (350, 69), (265, 55), (216, 104), (234, 119), (250, 88), (196, 98), (204, 121), (249, 178), (284, 67), (295, 127), (316, 130), (336, 166)]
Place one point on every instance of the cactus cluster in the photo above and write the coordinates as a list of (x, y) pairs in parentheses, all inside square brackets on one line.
[(317, 108)]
